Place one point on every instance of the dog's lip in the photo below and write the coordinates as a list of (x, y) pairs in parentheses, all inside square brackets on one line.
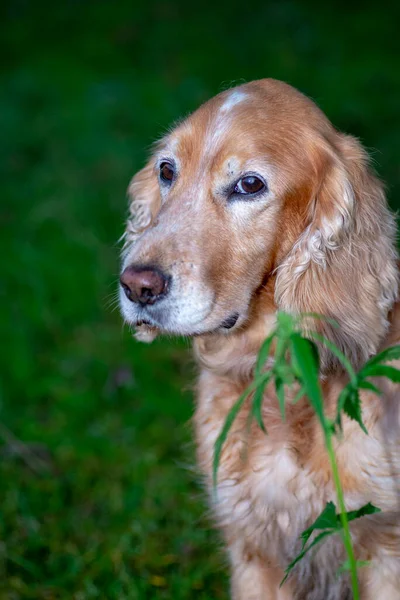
[(230, 321), (143, 322), (193, 329)]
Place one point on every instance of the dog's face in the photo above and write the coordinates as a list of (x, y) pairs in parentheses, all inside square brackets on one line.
[(256, 184), (217, 186)]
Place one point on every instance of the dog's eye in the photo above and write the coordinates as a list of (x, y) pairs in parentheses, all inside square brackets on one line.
[(249, 185), (167, 172)]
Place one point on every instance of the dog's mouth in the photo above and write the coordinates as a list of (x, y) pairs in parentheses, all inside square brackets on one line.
[(225, 325), (230, 321)]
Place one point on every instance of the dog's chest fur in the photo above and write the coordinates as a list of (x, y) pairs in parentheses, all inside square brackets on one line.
[(269, 489)]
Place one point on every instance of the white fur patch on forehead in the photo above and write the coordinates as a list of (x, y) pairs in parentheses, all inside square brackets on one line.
[(232, 100), (220, 126)]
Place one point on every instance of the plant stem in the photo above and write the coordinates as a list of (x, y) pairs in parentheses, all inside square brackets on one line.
[(343, 515)]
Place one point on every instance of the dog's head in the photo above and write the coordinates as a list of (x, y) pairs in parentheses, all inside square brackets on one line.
[(254, 189)]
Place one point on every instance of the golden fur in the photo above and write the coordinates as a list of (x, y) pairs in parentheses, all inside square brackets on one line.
[(320, 239)]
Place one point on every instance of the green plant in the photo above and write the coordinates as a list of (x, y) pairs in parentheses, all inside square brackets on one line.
[(296, 361)]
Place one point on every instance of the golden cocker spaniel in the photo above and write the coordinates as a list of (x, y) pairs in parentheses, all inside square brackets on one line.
[(254, 204)]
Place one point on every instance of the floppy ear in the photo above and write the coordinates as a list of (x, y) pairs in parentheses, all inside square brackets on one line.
[(344, 265), (144, 203)]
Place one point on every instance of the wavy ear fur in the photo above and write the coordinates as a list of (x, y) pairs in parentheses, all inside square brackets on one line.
[(145, 202), (344, 264)]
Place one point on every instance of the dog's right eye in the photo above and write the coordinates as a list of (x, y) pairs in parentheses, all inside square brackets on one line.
[(167, 172)]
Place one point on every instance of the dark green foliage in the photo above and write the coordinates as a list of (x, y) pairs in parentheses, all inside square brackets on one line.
[(296, 361), (328, 522), (349, 399)]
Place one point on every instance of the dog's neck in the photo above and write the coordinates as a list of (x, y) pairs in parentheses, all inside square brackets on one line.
[(234, 354)]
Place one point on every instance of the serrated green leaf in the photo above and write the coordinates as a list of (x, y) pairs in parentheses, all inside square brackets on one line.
[(298, 558), (382, 371), (327, 519), (331, 523), (340, 404), (349, 402), (367, 509), (367, 385), (352, 407), (392, 353)]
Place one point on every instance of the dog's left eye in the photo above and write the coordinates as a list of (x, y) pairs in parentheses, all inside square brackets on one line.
[(167, 172), (249, 185)]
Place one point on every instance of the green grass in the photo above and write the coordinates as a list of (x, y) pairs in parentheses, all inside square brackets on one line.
[(116, 509)]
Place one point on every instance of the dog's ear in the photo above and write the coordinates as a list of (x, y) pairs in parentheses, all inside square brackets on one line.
[(144, 202), (344, 264)]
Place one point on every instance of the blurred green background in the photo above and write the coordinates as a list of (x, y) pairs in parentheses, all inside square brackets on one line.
[(99, 497)]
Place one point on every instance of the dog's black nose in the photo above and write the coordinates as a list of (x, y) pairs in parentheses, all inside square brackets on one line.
[(145, 285)]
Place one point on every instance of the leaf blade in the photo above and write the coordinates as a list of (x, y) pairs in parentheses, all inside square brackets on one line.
[(256, 409), (263, 353), (382, 371), (352, 408), (308, 371), (387, 355)]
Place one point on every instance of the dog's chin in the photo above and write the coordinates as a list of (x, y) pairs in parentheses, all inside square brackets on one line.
[(146, 331)]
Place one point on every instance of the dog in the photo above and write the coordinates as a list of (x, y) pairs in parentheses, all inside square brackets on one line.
[(255, 203)]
